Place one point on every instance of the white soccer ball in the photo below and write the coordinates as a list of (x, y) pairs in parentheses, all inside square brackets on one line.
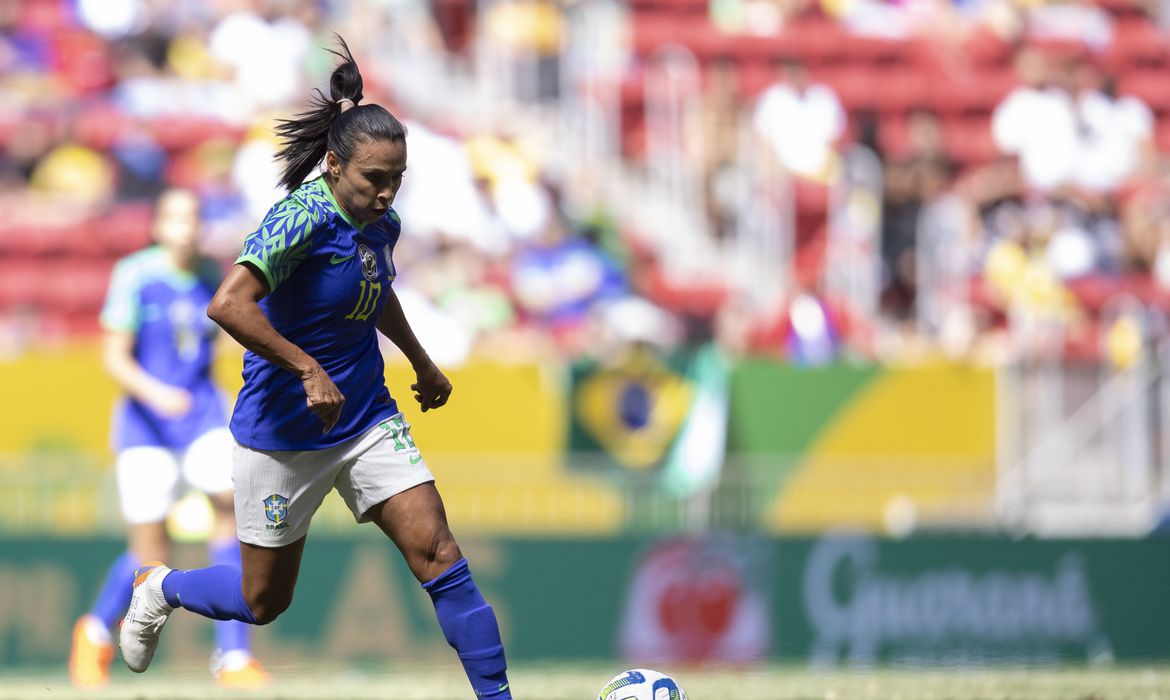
[(642, 684)]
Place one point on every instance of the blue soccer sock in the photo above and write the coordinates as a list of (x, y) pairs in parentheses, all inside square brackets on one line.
[(230, 635), (114, 596), (216, 592), (470, 627)]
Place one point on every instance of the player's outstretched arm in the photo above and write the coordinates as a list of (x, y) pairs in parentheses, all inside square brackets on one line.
[(432, 388), (235, 307)]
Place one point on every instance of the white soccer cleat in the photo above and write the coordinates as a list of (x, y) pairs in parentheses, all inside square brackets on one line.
[(146, 616)]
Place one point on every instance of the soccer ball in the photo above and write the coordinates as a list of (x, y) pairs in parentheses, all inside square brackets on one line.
[(642, 684)]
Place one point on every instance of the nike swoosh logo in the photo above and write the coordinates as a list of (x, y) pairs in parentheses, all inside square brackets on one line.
[(335, 260), (415, 460)]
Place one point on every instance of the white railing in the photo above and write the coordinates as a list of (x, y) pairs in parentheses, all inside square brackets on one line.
[(760, 252), (853, 250), (943, 265), (1081, 450)]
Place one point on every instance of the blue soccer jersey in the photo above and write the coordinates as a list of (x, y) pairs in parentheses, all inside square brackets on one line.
[(328, 279), (165, 308)]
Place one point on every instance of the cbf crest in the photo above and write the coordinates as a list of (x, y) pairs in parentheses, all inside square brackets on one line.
[(276, 510), (369, 262)]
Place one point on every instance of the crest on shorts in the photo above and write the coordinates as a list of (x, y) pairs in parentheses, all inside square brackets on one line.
[(369, 262), (276, 508)]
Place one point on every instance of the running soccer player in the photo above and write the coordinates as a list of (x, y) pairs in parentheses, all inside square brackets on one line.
[(169, 433), (306, 298)]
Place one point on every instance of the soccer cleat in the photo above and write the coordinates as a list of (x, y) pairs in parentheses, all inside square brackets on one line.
[(89, 659), (239, 670), (145, 619)]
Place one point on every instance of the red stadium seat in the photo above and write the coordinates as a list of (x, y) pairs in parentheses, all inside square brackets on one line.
[(983, 50), (38, 240), (86, 291), (1163, 135), (977, 95), (695, 33), (45, 15), (1152, 86), (754, 78), (695, 297), (21, 283), (969, 142), (79, 324), (766, 50), (85, 240), (856, 87), (1123, 10), (126, 228), (670, 7), (901, 91), (893, 135), (1137, 44), (1060, 48), (100, 127), (873, 51), (83, 61), (177, 133), (817, 41)]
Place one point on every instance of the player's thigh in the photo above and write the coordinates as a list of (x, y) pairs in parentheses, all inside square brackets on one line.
[(277, 493), (148, 483), (416, 521), (207, 462), (270, 576), (386, 481)]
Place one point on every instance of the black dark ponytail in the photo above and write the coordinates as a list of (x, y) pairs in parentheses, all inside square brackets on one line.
[(327, 127)]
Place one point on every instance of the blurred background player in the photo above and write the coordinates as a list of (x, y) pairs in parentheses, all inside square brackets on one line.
[(169, 431)]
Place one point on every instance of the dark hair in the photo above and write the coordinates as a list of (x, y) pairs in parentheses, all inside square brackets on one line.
[(325, 127)]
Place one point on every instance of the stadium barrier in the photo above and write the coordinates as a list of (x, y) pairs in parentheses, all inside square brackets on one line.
[(837, 600)]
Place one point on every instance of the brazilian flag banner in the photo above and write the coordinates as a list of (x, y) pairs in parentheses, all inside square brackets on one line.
[(649, 413)]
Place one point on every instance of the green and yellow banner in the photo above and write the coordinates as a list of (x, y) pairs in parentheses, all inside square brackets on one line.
[(555, 448)]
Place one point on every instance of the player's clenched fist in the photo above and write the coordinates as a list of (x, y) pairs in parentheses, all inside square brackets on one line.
[(322, 397), (432, 388)]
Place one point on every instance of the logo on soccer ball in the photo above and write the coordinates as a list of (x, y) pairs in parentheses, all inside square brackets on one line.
[(369, 262), (276, 509)]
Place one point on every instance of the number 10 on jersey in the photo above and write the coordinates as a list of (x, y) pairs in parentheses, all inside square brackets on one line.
[(371, 292)]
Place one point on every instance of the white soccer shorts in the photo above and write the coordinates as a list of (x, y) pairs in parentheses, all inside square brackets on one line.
[(152, 479), (277, 493)]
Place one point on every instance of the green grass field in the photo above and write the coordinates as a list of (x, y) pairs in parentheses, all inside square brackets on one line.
[(581, 682)]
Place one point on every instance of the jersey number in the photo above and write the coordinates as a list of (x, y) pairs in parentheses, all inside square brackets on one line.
[(367, 301), (400, 434)]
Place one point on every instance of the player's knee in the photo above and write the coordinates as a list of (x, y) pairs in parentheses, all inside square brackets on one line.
[(268, 605), (264, 613), (444, 551)]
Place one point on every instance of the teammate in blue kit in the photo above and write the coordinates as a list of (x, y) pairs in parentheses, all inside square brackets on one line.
[(170, 431), (306, 298)]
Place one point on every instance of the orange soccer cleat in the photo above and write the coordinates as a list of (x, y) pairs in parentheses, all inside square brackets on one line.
[(243, 672), (90, 657)]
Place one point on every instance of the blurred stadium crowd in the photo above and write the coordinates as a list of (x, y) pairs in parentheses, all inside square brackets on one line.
[(1036, 132)]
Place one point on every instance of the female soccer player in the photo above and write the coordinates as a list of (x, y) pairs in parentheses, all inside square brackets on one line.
[(306, 297), (170, 432)]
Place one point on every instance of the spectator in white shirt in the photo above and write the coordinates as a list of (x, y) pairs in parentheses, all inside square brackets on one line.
[(1117, 132), (801, 120), (1037, 123)]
